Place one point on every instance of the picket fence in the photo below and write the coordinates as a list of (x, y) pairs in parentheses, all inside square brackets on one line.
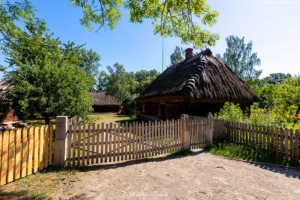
[(109, 143), (25, 151), (279, 142)]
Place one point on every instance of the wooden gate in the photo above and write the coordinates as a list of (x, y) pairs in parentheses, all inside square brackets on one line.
[(90, 144)]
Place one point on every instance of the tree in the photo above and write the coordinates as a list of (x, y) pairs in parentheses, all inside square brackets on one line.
[(145, 78), (177, 56), (102, 81), (169, 18), (240, 58), (49, 88), (120, 83)]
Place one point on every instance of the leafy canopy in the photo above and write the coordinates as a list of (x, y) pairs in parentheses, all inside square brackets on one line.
[(169, 17), (240, 58)]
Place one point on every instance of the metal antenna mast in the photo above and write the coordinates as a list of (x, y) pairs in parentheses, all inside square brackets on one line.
[(162, 65)]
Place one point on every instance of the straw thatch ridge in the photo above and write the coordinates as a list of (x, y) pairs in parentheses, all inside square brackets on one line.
[(201, 76), (100, 98)]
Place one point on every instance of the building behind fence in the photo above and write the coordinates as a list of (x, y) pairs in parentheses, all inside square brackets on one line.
[(84, 144)]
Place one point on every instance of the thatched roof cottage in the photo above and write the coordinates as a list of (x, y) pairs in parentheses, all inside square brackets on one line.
[(200, 84), (103, 102)]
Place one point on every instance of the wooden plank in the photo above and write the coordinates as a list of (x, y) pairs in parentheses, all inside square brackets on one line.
[(115, 143), (168, 136), (83, 151), (286, 144), (122, 140), (24, 152), (4, 159), (93, 144), (130, 142), (126, 140), (152, 139), (272, 143), (102, 141), (106, 144), (268, 146), (264, 137), (30, 151), (291, 145), (276, 141), (51, 145), (146, 139), (98, 143), (88, 146), (134, 140), (74, 142), (137, 131), (160, 138), (46, 155), (69, 145), (1, 145), (175, 135), (119, 141), (110, 142), (11, 156), (18, 154), (297, 145), (41, 149), (281, 142), (79, 134)]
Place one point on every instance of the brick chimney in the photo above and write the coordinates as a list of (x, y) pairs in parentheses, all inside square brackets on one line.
[(188, 53)]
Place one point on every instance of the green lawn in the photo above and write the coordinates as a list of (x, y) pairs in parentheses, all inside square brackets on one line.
[(105, 117)]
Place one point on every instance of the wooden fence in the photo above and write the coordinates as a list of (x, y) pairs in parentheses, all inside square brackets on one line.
[(108, 143), (279, 142), (25, 151)]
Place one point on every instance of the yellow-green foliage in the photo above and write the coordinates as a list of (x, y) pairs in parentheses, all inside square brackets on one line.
[(258, 115)]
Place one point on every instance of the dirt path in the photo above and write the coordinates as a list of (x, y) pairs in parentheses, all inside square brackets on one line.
[(199, 176)]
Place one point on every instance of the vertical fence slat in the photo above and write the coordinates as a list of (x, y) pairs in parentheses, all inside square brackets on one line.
[(69, 145), (297, 146), (272, 140), (30, 151), (79, 146), (106, 142), (286, 135), (11, 156), (268, 139), (142, 141), (83, 152), (291, 145), (4, 159), (115, 143), (41, 148), (24, 152), (98, 143), (281, 142), (88, 145), (119, 141), (93, 145), (18, 153), (73, 144), (134, 130), (137, 140), (110, 142), (276, 142), (130, 149), (102, 141), (1, 146), (46, 156), (50, 145)]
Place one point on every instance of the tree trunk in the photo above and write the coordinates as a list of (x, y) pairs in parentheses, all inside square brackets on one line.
[(47, 120)]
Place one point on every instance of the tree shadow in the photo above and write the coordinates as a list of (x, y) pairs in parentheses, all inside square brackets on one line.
[(21, 194)]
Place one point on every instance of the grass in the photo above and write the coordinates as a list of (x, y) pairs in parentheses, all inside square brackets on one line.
[(40, 185), (105, 117), (247, 152)]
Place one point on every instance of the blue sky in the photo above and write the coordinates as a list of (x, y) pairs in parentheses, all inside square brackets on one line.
[(273, 26)]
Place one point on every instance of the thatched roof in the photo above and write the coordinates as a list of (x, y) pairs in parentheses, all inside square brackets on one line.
[(201, 76), (101, 99)]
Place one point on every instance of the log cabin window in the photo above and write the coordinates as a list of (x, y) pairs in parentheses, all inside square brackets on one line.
[(143, 108)]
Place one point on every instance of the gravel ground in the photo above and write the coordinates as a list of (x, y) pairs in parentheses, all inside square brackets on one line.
[(199, 176)]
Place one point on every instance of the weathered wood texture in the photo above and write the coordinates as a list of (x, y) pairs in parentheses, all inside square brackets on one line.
[(23, 152), (278, 142), (122, 142)]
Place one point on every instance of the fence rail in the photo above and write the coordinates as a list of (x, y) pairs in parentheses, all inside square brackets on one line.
[(25, 151), (279, 142), (107, 143)]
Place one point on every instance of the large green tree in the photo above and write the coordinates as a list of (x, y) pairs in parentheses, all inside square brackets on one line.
[(240, 58), (177, 56), (169, 17), (144, 79), (120, 83)]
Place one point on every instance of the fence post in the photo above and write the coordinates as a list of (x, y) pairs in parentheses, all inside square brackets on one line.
[(211, 134), (60, 143), (186, 138)]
